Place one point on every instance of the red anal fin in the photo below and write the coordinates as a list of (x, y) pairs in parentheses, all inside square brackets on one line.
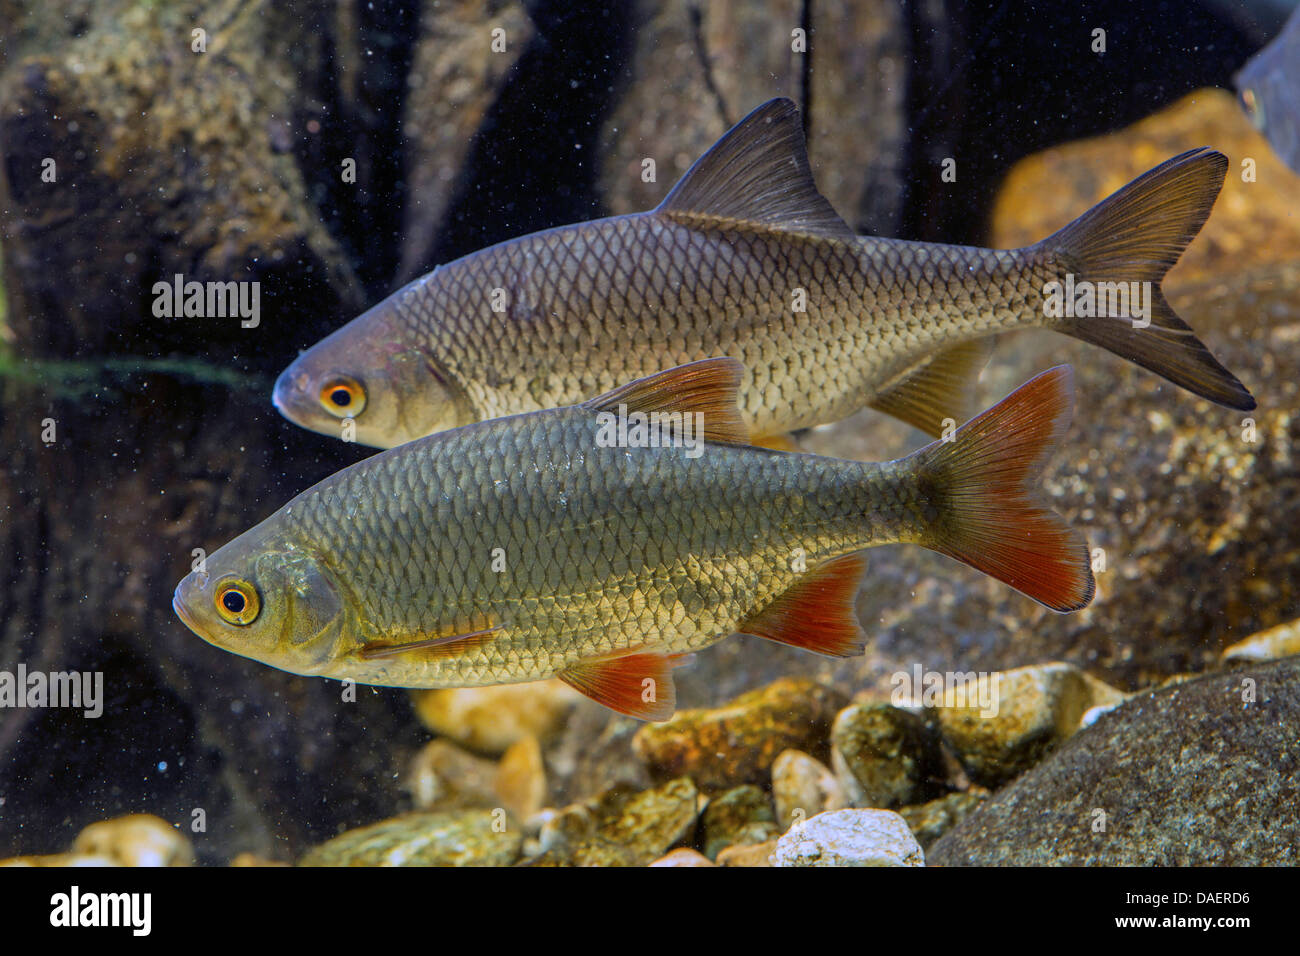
[(638, 684), (444, 646), (816, 614)]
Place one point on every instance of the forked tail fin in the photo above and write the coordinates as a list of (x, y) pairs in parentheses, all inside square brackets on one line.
[(989, 512), (1135, 236)]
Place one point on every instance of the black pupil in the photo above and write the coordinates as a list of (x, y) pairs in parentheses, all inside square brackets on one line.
[(341, 397), (233, 601)]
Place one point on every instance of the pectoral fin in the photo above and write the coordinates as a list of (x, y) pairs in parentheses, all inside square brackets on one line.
[(443, 646), (707, 387), (635, 683)]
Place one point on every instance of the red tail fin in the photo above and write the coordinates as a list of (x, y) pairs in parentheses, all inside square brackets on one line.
[(990, 514)]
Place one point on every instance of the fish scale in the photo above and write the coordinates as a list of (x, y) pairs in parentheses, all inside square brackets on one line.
[(848, 342)]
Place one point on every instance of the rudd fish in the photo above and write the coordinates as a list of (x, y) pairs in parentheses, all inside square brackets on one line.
[(1269, 87), (745, 258), (535, 546)]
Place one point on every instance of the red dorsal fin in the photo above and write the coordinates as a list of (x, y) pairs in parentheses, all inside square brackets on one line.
[(444, 646), (817, 612), (707, 386), (637, 683)]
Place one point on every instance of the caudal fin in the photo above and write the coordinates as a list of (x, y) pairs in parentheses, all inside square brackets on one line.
[(990, 514), (1136, 235)]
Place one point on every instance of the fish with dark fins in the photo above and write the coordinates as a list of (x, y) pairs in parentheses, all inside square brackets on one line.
[(745, 258), (1269, 88), (552, 543)]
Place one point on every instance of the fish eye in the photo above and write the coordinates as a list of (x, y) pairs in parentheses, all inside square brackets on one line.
[(237, 602), (343, 397)]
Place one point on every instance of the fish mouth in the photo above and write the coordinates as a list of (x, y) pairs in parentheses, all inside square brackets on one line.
[(183, 612), (287, 394)]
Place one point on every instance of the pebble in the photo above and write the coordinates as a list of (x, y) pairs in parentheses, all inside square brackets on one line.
[(722, 747), (620, 827), (850, 838), (490, 719), (1270, 645), (741, 816), (684, 856), (1035, 710), (520, 780), (140, 839), (802, 787), (884, 756), (423, 838)]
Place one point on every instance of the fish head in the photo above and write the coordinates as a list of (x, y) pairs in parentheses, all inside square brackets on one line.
[(267, 600), (374, 374)]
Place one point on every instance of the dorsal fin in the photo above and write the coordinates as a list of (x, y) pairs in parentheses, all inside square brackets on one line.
[(708, 386), (759, 172), (942, 386)]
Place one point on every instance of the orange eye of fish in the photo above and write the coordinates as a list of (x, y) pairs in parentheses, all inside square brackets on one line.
[(237, 602), (343, 397)]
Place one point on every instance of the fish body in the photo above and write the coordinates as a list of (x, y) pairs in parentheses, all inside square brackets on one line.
[(542, 544), (1269, 89), (746, 259)]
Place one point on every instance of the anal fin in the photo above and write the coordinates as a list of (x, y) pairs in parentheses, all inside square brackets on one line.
[(816, 614), (636, 683), (777, 443), (942, 386)]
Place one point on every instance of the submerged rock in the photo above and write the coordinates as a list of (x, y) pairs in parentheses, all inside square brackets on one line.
[(803, 787), (1034, 709), (444, 776), (520, 780), (850, 838), (885, 756), (455, 838), (738, 817), (753, 854), (929, 821), (684, 856), (140, 839), (737, 743), (490, 719), (620, 827), (456, 76), (1198, 773), (1270, 645)]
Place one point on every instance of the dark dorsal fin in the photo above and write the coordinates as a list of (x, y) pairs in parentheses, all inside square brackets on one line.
[(759, 172), (708, 386)]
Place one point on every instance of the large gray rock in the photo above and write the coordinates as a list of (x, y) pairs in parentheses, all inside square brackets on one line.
[(1197, 773)]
